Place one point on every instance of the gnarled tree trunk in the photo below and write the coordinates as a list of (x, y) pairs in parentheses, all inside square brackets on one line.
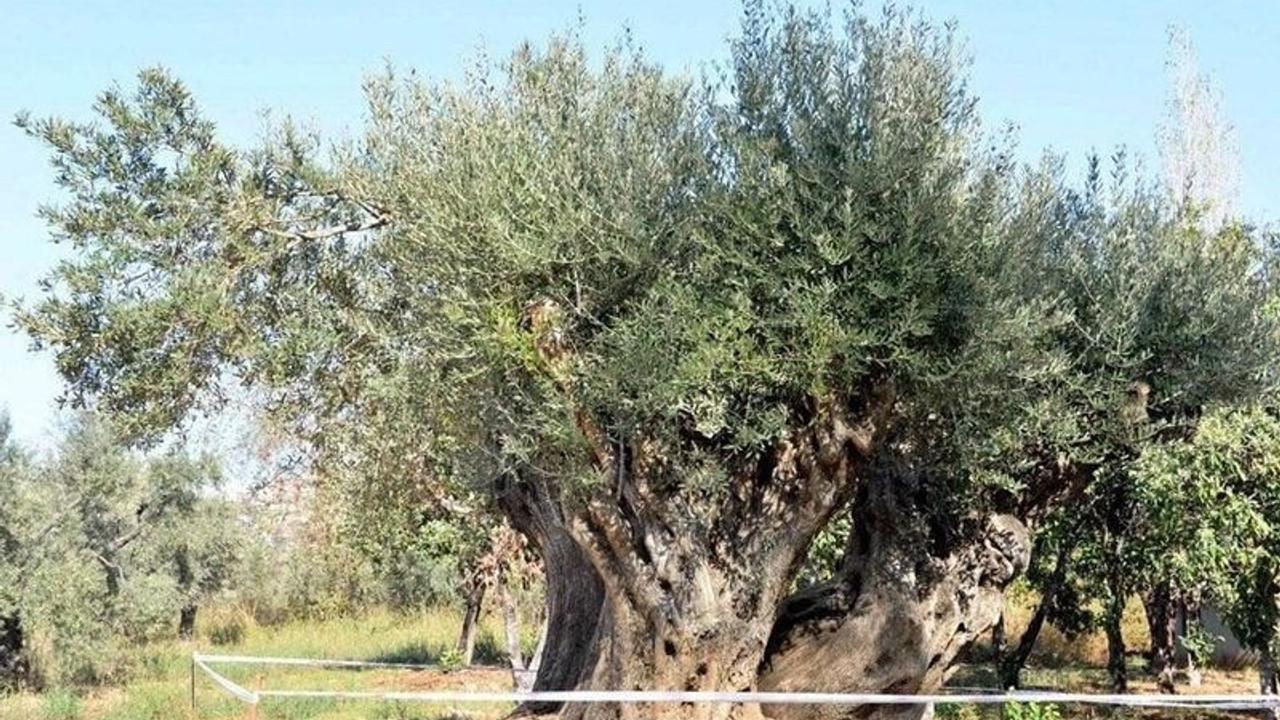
[(691, 585), (574, 591), (692, 593), (891, 622), (651, 588), (897, 614)]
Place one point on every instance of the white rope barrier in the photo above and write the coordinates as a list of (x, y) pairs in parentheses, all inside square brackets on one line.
[(312, 662), (248, 696), (1203, 702)]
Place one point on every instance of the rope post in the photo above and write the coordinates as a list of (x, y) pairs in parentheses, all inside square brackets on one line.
[(253, 707), (193, 684)]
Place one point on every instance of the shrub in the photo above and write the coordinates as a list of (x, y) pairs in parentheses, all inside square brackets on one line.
[(226, 625), (1031, 711)]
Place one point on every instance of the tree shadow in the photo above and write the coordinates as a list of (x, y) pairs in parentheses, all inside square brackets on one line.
[(412, 654), (489, 651)]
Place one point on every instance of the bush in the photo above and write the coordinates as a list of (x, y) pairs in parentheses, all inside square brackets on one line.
[(226, 624)]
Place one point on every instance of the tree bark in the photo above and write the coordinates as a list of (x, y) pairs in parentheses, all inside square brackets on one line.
[(525, 680), (1116, 511), (1117, 672), (1162, 622), (471, 622), (693, 584), (999, 638), (510, 625), (653, 609), (1009, 667), (896, 616), (13, 660), (1267, 684), (1189, 612), (686, 611), (692, 587), (574, 591), (187, 621)]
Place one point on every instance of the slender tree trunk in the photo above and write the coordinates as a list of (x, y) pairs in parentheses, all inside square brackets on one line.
[(536, 661), (1267, 679), (1010, 666), (1195, 675), (1162, 622), (471, 621), (525, 680), (1117, 672), (1188, 610), (186, 580), (510, 625), (1115, 513), (187, 621), (999, 637), (113, 577)]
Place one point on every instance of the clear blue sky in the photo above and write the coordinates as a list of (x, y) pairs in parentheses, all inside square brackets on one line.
[(1075, 76)]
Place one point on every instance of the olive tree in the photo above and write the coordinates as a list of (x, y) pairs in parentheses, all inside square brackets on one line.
[(83, 529), (669, 327)]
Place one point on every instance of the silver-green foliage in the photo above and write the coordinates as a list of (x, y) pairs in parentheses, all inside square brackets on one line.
[(557, 254), (94, 535)]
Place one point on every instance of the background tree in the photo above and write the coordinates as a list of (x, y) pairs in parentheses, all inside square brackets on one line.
[(83, 526), (1200, 160), (1213, 510), (1165, 318), (197, 548), (1199, 154)]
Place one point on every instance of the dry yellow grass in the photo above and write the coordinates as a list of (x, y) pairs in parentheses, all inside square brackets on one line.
[(1056, 649)]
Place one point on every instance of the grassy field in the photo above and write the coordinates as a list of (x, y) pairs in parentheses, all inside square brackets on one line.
[(159, 688)]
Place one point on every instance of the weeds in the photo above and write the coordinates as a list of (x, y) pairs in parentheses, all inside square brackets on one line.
[(60, 704)]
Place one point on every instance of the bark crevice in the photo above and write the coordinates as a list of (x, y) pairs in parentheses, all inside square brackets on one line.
[(896, 615)]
